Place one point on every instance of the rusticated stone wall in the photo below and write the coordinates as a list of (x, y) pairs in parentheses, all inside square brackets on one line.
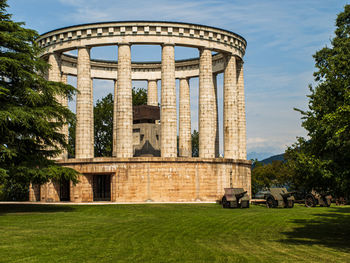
[(156, 179), (49, 192)]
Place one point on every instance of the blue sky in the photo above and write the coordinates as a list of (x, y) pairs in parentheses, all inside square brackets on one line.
[(282, 37)]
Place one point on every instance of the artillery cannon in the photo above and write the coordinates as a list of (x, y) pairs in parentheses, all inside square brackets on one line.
[(234, 198), (279, 197), (312, 199)]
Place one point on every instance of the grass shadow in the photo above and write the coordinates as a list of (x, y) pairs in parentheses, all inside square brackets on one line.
[(330, 229), (33, 208)]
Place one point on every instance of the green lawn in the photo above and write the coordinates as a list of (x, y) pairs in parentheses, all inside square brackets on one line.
[(173, 233)]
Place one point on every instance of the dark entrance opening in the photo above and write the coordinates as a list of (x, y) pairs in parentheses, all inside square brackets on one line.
[(102, 187), (64, 190)]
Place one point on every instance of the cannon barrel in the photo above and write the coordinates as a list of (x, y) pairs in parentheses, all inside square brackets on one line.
[(240, 195), (288, 194)]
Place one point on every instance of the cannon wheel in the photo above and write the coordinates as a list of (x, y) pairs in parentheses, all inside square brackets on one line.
[(310, 201), (327, 201), (244, 204), (270, 202), (225, 203), (290, 203)]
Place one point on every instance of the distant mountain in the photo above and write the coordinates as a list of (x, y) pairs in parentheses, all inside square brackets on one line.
[(278, 157), (258, 155)]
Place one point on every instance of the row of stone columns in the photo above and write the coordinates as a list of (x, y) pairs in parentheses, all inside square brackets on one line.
[(234, 106)]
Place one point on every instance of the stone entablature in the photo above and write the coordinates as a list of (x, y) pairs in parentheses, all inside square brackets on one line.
[(104, 69), (143, 32)]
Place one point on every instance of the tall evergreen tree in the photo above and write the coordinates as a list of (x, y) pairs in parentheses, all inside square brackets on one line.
[(323, 160), (30, 115)]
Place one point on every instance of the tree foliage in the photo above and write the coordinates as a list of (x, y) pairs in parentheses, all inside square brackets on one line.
[(103, 126), (275, 174), (139, 96), (195, 143), (30, 115), (323, 160)]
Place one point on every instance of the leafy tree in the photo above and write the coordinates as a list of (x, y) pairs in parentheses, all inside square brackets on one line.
[(139, 96), (323, 160), (103, 126), (275, 174), (195, 143), (30, 115), (71, 137)]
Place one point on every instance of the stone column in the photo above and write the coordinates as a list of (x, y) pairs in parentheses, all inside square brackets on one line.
[(217, 142), (185, 145), (230, 109), (152, 93), (168, 103), (84, 140), (64, 102), (124, 146), (114, 151), (242, 146), (206, 119), (54, 74), (92, 127)]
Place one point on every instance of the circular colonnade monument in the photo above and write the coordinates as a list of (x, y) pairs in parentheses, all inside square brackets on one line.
[(173, 176)]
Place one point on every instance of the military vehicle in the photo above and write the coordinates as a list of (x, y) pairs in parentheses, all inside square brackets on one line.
[(279, 197), (235, 198), (312, 199)]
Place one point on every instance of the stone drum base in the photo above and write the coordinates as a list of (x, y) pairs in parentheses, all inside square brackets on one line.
[(147, 179)]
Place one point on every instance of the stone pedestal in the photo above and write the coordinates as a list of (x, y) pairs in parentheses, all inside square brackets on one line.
[(168, 104)]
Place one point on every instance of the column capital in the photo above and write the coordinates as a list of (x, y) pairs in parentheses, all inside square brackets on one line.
[(64, 75), (53, 53), (84, 47), (124, 44), (168, 44), (201, 49), (239, 61)]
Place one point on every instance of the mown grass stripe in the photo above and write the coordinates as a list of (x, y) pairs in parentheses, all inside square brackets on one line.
[(173, 233)]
